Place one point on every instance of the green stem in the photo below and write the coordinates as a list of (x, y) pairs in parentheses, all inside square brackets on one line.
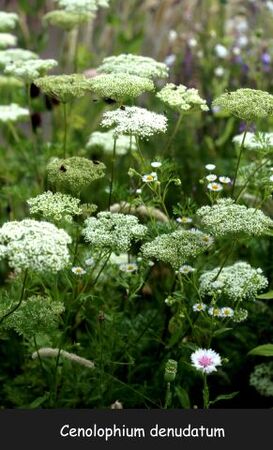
[(250, 177), (174, 133), (20, 299), (65, 130), (239, 160), (168, 396), (225, 260), (112, 173), (206, 393)]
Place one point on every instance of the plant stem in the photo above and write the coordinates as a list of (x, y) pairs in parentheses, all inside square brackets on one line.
[(112, 173), (168, 396), (65, 130), (225, 260), (238, 161), (174, 133), (20, 299), (250, 177), (206, 393)]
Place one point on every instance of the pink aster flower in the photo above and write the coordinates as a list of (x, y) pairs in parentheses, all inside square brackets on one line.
[(205, 360)]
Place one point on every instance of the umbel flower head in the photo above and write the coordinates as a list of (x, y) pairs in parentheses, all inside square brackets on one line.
[(262, 141), (181, 98), (120, 86), (64, 88), (262, 379), (13, 113), (15, 54), (105, 141), (74, 174), (205, 360), (31, 69), (8, 20), (10, 82), (82, 6), (33, 245), (7, 40), (226, 217), (55, 206), (246, 104), (65, 19), (177, 247), (141, 66), (134, 121), (36, 315), (113, 231), (238, 282)]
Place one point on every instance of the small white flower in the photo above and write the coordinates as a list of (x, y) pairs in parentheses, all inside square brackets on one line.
[(129, 267), (205, 360), (214, 311), (242, 41), (225, 180), (185, 269), (156, 164), (170, 60), (210, 167), (215, 187), (192, 42), (149, 178), (211, 177), (227, 312), (138, 191), (151, 263), (219, 71), (236, 51), (184, 219), (78, 270), (198, 307), (89, 261), (221, 51), (271, 178), (172, 35)]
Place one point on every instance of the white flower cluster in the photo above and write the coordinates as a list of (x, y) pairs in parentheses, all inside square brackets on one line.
[(7, 40), (141, 66), (30, 69), (259, 141), (262, 379), (56, 206), (13, 113), (237, 282), (82, 6), (113, 231), (177, 247), (105, 141), (120, 86), (226, 217), (38, 246), (8, 20), (182, 99), (135, 121), (15, 54)]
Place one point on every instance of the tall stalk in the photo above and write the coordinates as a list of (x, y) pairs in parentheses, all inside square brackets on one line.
[(65, 130), (21, 298), (112, 173), (239, 160)]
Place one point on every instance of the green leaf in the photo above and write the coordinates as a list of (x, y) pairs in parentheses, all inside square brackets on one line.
[(183, 397), (39, 401), (221, 331), (224, 397), (262, 350), (266, 296)]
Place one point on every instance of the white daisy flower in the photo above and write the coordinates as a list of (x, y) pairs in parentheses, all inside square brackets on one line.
[(185, 269), (210, 167), (78, 270), (215, 187), (211, 177), (225, 180), (156, 164), (149, 178), (184, 219), (206, 360), (138, 191), (198, 307), (214, 311), (227, 312), (129, 268)]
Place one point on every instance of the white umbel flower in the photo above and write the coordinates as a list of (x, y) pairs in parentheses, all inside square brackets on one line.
[(82, 6), (15, 54), (134, 121), (13, 113), (31, 69), (8, 20), (7, 40), (38, 246), (206, 360), (105, 141)]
